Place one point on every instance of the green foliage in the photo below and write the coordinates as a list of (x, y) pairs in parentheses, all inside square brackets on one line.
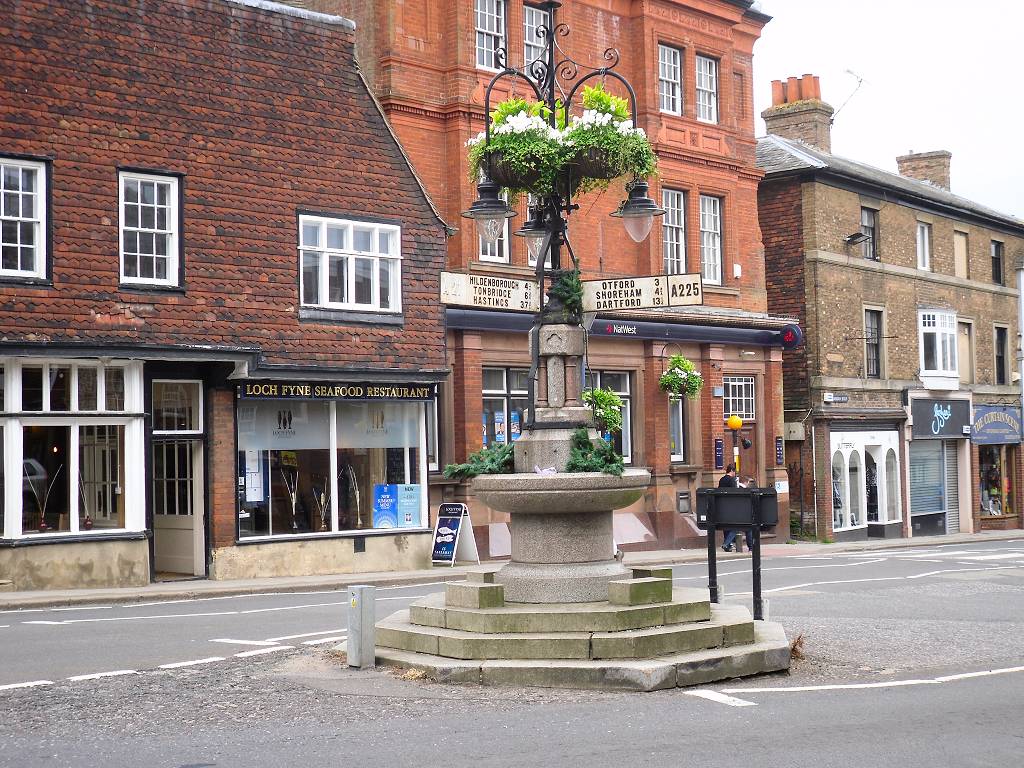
[(494, 460), (681, 378), (585, 456), (515, 106), (597, 98), (607, 407), (569, 290)]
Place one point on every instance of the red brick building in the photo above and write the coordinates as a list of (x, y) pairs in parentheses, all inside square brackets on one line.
[(218, 298), (690, 64)]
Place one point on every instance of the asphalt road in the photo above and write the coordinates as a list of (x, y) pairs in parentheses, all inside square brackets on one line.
[(912, 657)]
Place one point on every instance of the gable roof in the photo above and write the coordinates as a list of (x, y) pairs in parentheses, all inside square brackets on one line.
[(779, 156)]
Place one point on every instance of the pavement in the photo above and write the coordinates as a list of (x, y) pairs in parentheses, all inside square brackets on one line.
[(199, 588)]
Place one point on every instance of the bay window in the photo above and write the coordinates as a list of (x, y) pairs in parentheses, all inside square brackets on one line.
[(938, 343)]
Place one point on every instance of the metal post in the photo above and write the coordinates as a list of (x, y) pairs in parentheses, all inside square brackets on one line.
[(712, 551), (755, 561), (361, 616)]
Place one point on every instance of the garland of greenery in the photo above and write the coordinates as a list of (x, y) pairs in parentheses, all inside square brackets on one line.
[(607, 407), (493, 460), (586, 456), (568, 289), (681, 378)]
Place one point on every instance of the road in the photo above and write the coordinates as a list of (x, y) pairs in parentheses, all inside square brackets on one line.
[(912, 657)]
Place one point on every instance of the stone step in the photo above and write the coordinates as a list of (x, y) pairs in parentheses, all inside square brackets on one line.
[(768, 652), (688, 604), (640, 591), (6, 585), (728, 626), (460, 594)]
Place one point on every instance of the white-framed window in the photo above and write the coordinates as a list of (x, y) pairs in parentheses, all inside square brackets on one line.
[(711, 239), (739, 397), (177, 409), (924, 245), (707, 89), (431, 411), (869, 227), (150, 229), (73, 442), (22, 218), (673, 231), (534, 46), (617, 382), (490, 31), (677, 429), (498, 250), (938, 343), (350, 264), (505, 393), (670, 79)]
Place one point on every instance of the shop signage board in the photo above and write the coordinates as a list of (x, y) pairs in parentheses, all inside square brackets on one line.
[(938, 419), (489, 292), (449, 543), (719, 453), (996, 425), (835, 397), (642, 292), (322, 390)]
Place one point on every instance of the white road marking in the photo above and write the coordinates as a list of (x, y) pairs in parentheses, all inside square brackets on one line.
[(766, 570), (721, 698), (137, 618), (261, 651), (295, 607), (97, 675), (243, 642), (339, 638), (962, 570), (1001, 556), (304, 634), (193, 663), (12, 686), (52, 623), (922, 560), (889, 684), (820, 583), (986, 673)]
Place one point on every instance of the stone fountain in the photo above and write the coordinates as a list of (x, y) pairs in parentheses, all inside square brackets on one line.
[(564, 612)]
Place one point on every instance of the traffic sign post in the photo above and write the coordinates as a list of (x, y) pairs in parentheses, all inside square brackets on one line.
[(642, 292)]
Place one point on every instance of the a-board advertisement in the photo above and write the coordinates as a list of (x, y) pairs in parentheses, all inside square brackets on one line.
[(450, 543)]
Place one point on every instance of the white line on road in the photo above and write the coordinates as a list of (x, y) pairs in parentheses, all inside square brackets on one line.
[(179, 664), (766, 570), (137, 618), (53, 623), (986, 673), (889, 684), (318, 641), (97, 675), (296, 607), (304, 634), (243, 642), (261, 651), (12, 686), (962, 570), (721, 698)]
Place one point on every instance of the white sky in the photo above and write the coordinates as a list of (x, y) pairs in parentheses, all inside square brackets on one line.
[(938, 74)]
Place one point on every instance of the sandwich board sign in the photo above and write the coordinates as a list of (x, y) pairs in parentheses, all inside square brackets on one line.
[(449, 543)]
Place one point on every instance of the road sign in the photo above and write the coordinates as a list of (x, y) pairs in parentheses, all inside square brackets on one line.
[(642, 292), (489, 292)]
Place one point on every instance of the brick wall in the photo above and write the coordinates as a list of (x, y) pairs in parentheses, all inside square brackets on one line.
[(263, 114)]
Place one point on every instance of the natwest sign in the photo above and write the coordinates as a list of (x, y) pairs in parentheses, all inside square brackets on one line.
[(620, 329)]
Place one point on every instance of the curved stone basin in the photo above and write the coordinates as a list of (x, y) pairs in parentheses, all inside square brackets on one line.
[(562, 492)]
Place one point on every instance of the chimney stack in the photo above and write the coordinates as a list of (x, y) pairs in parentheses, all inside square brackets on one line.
[(797, 112), (926, 166)]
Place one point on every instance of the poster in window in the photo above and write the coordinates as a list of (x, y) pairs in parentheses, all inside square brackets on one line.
[(499, 427), (408, 506), (385, 506), (514, 427), (253, 477), (485, 428)]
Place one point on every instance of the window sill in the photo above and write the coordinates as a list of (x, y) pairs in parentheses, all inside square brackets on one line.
[(313, 536), (720, 289), (147, 288), (26, 281), (350, 317), (34, 539)]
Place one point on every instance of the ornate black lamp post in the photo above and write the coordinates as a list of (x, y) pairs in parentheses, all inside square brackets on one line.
[(546, 228)]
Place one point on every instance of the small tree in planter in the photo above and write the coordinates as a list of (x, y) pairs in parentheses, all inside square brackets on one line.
[(681, 378), (602, 144), (524, 152)]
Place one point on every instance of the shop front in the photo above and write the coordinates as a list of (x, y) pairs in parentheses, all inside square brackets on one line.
[(866, 487), (326, 473), (939, 466), (997, 436)]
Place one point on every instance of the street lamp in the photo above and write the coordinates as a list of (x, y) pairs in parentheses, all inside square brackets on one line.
[(637, 211), (533, 231), (489, 211)]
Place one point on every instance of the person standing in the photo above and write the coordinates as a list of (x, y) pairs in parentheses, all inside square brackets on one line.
[(730, 480)]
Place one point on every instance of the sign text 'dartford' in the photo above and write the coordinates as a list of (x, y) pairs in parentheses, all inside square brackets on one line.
[(642, 292), (489, 292)]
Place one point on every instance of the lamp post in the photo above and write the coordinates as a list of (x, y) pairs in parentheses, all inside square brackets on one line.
[(555, 79), (735, 423)]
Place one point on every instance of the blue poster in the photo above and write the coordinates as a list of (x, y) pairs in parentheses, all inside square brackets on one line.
[(513, 427), (446, 532), (408, 506), (499, 427), (385, 506), (485, 428)]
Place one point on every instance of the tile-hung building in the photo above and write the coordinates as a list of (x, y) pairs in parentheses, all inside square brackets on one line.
[(690, 64), (903, 407), (218, 299)]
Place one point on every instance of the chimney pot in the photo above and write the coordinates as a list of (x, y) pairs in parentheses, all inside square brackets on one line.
[(797, 112)]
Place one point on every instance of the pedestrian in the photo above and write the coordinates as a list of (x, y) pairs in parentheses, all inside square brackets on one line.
[(729, 480)]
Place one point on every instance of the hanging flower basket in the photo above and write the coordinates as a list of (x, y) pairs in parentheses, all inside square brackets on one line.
[(681, 377), (504, 173), (595, 163)]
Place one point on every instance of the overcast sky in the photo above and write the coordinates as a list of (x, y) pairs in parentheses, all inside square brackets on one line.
[(937, 74)]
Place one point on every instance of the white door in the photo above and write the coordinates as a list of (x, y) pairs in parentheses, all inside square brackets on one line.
[(178, 534)]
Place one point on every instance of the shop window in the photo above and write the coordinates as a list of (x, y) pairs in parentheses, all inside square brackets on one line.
[(294, 479), (101, 477), (871, 487), (350, 265), (839, 495), (855, 487), (150, 230), (927, 477), (504, 404), (23, 190), (618, 382), (892, 487), (677, 429), (46, 483)]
